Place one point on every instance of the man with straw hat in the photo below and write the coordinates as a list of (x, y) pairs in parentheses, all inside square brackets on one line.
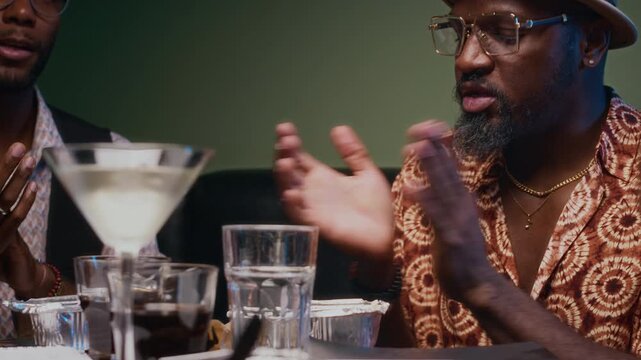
[(521, 224)]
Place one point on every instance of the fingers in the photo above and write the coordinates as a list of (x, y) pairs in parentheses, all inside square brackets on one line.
[(290, 172), (288, 169), (10, 223), (290, 145), (351, 149), (288, 142), (10, 160), (291, 166), (446, 194), (12, 190), (429, 129), (439, 166), (19, 213), (430, 146), (286, 174)]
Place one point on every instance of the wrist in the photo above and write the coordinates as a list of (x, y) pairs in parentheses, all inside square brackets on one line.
[(30, 285), (43, 277), (46, 281)]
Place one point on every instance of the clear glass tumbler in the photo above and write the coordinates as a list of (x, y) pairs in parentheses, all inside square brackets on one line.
[(270, 273)]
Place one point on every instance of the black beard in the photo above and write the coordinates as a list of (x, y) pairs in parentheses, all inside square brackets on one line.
[(476, 135)]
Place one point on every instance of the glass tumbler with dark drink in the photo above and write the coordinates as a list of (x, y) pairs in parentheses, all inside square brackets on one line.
[(172, 307), (93, 291)]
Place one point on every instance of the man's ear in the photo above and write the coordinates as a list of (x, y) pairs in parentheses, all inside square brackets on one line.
[(595, 42)]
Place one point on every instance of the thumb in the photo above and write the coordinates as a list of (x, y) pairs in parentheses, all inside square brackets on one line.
[(351, 149)]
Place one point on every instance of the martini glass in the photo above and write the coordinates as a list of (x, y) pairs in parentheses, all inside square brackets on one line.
[(126, 192)]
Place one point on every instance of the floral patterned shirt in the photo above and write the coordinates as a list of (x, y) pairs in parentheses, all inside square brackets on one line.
[(590, 275)]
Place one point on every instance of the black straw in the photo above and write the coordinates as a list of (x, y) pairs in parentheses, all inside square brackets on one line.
[(246, 342)]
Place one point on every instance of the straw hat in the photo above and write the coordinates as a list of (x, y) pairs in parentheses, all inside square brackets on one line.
[(624, 32)]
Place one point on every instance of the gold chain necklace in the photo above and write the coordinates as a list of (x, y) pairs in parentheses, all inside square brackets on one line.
[(541, 194), (529, 215)]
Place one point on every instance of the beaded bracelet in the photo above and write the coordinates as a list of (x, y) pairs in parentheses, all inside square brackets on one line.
[(57, 284), (389, 294)]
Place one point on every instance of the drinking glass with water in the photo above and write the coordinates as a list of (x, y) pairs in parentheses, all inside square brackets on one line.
[(270, 273)]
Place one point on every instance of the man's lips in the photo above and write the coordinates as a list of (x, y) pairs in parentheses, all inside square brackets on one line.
[(15, 49), (475, 97), (476, 104), (14, 53)]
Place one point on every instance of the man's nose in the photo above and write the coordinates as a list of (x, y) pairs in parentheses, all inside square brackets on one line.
[(473, 58), (19, 12)]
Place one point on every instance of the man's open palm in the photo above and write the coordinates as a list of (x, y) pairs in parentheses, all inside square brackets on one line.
[(353, 211)]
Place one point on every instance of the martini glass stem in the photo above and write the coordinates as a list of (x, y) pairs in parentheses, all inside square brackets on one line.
[(125, 350)]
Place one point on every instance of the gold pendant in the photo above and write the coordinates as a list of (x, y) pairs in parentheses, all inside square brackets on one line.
[(529, 223)]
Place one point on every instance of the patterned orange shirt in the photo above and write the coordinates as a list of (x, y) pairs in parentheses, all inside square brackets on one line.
[(590, 276)]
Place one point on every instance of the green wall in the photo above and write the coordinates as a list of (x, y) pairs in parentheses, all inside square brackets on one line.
[(222, 73)]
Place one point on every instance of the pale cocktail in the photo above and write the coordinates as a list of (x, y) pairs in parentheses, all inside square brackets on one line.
[(126, 192)]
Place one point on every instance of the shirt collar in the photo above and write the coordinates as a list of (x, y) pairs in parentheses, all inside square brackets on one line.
[(476, 172), (619, 142), (45, 133)]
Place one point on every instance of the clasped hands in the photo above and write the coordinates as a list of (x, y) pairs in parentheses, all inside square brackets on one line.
[(355, 211)]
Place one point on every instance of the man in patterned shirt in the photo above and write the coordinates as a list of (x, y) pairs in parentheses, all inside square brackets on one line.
[(39, 224), (530, 229)]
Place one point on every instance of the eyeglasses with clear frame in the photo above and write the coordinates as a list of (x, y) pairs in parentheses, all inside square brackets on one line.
[(498, 33), (44, 8)]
